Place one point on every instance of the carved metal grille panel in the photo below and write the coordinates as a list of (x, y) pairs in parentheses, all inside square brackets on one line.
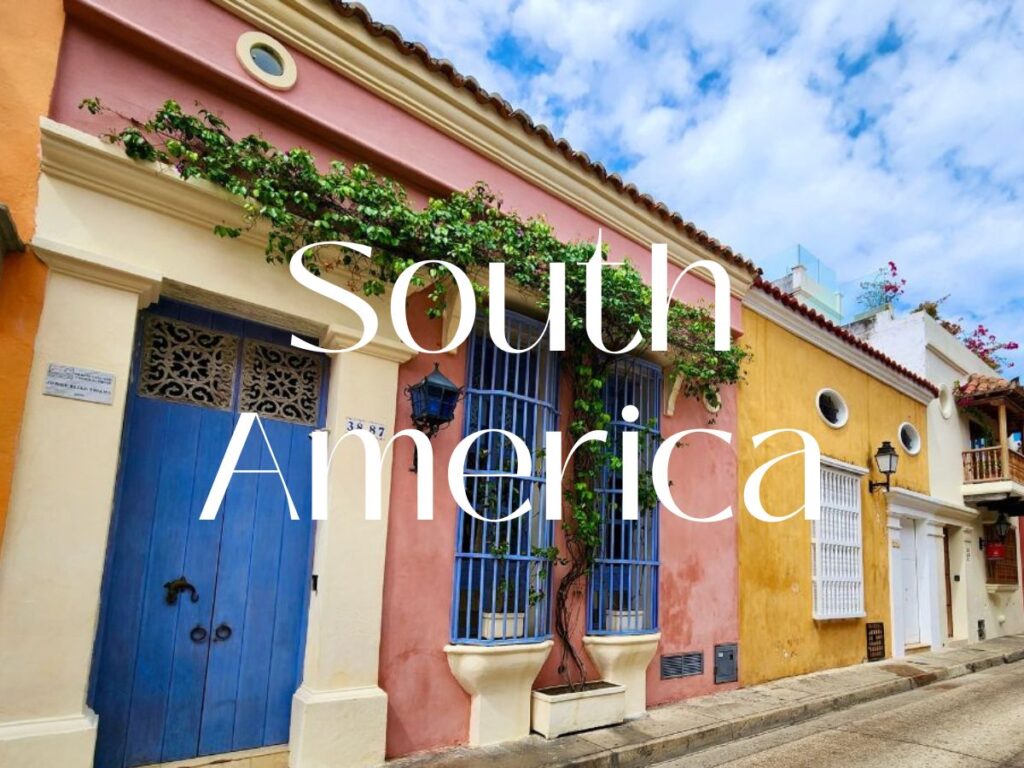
[(188, 364), (281, 383)]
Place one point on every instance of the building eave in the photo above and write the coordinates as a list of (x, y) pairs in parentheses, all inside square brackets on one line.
[(768, 306), (376, 58)]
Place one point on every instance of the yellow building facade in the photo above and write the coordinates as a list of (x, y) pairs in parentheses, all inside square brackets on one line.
[(808, 375)]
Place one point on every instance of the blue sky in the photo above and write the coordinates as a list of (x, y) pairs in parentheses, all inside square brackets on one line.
[(867, 132)]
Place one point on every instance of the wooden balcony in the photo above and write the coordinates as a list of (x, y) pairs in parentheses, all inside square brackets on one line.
[(992, 464)]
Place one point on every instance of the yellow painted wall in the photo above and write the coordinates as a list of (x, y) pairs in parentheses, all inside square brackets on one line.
[(778, 636), (32, 33)]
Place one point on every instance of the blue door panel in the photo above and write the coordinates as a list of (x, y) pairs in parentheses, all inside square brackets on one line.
[(165, 562), (161, 695), (291, 601), (122, 597), (184, 708)]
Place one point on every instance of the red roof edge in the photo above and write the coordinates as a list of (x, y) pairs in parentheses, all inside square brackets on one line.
[(508, 112), (820, 320)]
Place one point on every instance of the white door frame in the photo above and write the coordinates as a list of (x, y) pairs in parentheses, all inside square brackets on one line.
[(931, 516)]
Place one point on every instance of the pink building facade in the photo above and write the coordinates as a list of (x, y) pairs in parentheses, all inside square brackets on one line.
[(399, 641)]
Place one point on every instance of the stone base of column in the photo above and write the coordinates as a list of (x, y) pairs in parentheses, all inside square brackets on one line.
[(65, 741), (499, 678), (344, 728), (623, 659)]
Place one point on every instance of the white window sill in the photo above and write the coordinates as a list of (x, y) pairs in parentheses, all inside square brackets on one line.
[(995, 589)]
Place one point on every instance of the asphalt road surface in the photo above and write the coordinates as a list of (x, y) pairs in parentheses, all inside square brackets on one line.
[(976, 720)]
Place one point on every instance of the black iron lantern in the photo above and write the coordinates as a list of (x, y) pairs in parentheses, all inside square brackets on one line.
[(433, 402), (886, 459), (1002, 526)]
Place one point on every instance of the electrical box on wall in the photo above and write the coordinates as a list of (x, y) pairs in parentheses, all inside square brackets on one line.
[(726, 663)]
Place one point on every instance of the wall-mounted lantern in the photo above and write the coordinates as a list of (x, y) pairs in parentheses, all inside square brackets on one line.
[(996, 550), (886, 459), (433, 403)]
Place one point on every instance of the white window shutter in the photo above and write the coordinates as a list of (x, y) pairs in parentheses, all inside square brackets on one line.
[(837, 556)]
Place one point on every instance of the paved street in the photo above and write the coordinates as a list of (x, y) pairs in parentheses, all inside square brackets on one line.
[(976, 720)]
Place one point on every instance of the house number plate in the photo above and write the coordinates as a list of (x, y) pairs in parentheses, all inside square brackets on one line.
[(376, 429), (79, 384)]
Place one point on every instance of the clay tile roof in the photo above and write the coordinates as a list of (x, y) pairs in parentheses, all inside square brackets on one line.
[(981, 386), (507, 111), (820, 320)]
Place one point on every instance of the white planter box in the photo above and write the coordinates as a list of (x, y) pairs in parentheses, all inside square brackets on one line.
[(556, 711), (501, 626), (624, 621)]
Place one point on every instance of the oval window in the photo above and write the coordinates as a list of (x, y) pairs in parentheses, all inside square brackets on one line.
[(910, 438), (266, 60), (832, 408)]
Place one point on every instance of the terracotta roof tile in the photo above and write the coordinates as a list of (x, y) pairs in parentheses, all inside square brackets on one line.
[(820, 320), (503, 108), (986, 385)]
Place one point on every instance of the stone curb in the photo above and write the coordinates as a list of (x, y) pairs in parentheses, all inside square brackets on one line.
[(679, 744)]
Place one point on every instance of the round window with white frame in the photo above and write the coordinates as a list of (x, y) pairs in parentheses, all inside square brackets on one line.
[(910, 438), (832, 408), (266, 60)]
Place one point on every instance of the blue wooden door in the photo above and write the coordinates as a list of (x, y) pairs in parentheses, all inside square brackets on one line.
[(209, 664)]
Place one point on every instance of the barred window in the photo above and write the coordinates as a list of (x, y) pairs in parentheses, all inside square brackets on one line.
[(623, 594), (503, 570), (837, 558)]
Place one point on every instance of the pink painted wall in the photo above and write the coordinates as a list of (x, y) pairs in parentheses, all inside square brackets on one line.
[(185, 51)]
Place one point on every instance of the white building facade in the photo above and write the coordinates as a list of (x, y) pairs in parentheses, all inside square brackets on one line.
[(944, 590)]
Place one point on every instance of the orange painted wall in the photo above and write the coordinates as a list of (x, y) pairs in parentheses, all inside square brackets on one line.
[(31, 46)]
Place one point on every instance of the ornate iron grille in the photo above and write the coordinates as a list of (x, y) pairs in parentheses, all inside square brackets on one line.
[(281, 383), (187, 364)]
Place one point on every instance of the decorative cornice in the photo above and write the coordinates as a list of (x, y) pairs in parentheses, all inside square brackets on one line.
[(769, 308), (85, 161), (68, 260), (343, 337), (376, 64), (930, 506)]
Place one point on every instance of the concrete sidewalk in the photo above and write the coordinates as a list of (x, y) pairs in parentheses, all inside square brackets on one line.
[(678, 729)]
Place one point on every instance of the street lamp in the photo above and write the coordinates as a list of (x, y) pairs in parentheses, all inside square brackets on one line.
[(433, 404), (886, 459)]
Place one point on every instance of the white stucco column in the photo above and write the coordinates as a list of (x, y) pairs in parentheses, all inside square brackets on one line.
[(896, 587), (339, 714), (51, 565)]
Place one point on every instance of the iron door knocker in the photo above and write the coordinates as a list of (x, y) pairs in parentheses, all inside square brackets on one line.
[(223, 632), (198, 633), (176, 587)]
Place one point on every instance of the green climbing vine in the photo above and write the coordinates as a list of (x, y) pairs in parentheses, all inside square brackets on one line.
[(302, 204)]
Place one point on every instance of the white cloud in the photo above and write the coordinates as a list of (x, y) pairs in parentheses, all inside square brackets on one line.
[(768, 154)]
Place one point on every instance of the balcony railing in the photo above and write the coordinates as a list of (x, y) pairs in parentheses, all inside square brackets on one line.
[(985, 465)]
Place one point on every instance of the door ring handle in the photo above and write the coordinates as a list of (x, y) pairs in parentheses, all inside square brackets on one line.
[(198, 633), (223, 632)]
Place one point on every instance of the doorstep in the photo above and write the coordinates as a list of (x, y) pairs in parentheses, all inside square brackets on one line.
[(677, 729), (265, 757), (910, 650)]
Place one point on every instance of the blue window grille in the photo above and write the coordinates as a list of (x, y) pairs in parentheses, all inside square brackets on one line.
[(502, 575), (623, 593)]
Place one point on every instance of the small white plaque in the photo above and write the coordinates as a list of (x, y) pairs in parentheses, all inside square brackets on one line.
[(79, 384), (376, 429)]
